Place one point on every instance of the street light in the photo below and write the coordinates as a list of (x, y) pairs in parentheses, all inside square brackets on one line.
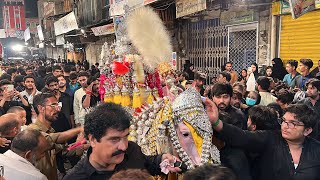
[(17, 47)]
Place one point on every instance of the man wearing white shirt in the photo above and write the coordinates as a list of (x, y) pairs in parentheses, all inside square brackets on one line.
[(26, 148), (30, 88), (78, 110), (263, 84)]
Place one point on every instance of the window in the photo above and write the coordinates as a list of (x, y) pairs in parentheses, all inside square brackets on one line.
[(16, 15), (28, 24), (18, 26)]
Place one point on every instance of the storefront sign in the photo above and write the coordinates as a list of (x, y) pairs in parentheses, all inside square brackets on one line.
[(117, 7), (27, 35), (146, 2), (186, 7), (238, 17), (48, 9), (317, 4), (174, 61), (66, 24), (3, 33), (301, 7), (60, 40), (40, 33), (285, 7), (103, 30)]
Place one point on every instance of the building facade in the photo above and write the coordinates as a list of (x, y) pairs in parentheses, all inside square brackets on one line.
[(13, 17)]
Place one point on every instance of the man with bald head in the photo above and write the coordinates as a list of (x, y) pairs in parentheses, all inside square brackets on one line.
[(9, 128), (27, 147)]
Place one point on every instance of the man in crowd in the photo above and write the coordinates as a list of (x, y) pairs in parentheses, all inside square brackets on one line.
[(183, 79), (9, 128), (57, 70), (262, 118), (304, 67), (27, 147), (236, 99), (224, 77), (315, 71), (263, 84), (30, 88), (66, 73), (29, 71), (73, 85), (110, 149), (233, 74), (78, 109), (48, 108), (291, 68), (199, 80), (284, 98), (11, 97), (222, 93), (92, 96), (21, 114), (288, 154)]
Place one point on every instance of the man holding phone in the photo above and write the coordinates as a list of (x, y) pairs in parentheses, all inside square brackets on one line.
[(11, 97)]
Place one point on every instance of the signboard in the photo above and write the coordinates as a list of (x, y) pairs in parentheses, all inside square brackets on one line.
[(48, 9), (186, 7), (117, 7), (27, 35), (238, 17), (103, 30), (285, 7), (146, 2), (66, 24), (60, 40), (317, 4), (301, 7), (40, 33), (3, 33)]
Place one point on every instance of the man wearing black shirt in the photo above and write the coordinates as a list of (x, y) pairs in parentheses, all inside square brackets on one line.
[(92, 97), (110, 150)]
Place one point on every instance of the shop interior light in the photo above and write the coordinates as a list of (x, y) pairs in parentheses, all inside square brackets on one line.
[(17, 47)]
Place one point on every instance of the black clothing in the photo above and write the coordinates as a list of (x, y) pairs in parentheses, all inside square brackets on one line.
[(40, 83), (93, 100), (237, 117), (278, 71), (133, 159), (276, 161), (63, 122)]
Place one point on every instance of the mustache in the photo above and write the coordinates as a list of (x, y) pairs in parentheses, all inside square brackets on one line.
[(222, 104), (117, 153)]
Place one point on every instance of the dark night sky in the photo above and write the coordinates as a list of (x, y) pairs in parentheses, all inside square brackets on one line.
[(31, 8)]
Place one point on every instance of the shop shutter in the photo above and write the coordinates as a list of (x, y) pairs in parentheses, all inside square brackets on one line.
[(300, 38)]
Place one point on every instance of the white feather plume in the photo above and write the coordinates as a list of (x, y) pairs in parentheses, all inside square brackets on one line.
[(149, 36)]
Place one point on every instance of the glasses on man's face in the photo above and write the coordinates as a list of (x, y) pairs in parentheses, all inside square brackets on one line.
[(291, 124), (56, 105)]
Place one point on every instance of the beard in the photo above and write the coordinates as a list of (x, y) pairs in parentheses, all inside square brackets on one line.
[(312, 96), (52, 118), (237, 105), (222, 106)]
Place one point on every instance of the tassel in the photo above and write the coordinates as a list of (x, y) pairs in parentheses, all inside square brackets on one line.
[(136, 100), (125, 100), (150, 99), (117, 95)]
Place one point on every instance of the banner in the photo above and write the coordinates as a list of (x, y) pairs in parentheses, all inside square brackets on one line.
[(40, 33), (186, 7), (119, 26), (3, 33), (27, 35), (48, 9), (60, 40), (301, 7), (174, 61), (65, 24), (103, 30)]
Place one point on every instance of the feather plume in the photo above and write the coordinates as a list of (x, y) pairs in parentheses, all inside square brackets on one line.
[(148, 34)]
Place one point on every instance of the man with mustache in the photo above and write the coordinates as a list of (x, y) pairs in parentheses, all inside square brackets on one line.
[(107, 129), (27, 147), (221, 95), (47, 107)]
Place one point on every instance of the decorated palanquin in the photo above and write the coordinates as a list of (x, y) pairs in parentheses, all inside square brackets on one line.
[(164, 121)]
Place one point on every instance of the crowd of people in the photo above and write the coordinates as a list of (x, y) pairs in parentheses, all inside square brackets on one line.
[(266, 124)]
